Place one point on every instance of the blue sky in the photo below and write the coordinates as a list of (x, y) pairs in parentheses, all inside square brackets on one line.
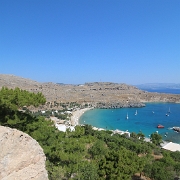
[(78, 41)]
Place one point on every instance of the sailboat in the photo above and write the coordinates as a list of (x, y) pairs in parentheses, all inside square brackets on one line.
[(136, 113), (167, 114), (127, 116), (169, 110)]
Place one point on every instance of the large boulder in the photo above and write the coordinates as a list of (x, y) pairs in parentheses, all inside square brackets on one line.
[(21, 157)]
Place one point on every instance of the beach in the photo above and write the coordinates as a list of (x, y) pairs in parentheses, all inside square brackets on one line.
[(76, 115)]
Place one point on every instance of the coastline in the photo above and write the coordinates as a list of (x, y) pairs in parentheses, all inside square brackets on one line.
[(77, 114), (145, 121)]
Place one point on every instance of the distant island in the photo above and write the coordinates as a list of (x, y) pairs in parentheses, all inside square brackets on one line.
[(172, 88), (159, 85)]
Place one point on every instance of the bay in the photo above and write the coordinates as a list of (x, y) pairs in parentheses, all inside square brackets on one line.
[(146, 120)]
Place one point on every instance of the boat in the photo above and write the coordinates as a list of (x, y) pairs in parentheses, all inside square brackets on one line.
[(136, 113), (160, 126), (127, 116), (167, 114), (169, 110)]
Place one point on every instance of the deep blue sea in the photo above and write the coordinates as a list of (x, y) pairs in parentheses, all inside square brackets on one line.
[(146, 120), (163, 90)]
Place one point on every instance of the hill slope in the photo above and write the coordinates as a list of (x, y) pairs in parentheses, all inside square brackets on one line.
[(100, 94)]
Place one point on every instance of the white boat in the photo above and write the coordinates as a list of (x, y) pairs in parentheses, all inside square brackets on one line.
[(167, 114), (136, 113), (169, 110), (127, 116)]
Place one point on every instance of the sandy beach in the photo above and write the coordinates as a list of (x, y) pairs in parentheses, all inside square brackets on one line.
[(76, 115)]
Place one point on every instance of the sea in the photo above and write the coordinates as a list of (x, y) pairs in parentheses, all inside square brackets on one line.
[(145, 119), (163, 90)]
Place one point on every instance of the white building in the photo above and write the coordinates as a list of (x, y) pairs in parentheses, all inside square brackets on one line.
[(172, 147)]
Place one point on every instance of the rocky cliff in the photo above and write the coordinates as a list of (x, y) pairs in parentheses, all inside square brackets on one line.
[(21, 157)]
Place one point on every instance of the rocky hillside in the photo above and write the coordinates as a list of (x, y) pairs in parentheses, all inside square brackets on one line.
[(21, 156), (100, 94)]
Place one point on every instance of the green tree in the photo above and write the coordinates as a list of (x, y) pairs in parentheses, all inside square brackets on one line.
[(156, 139), (19, 98), (160, 172), (120, 164), (177, 168), (134, 136), (88, 171), (141, 136), (98, 149)]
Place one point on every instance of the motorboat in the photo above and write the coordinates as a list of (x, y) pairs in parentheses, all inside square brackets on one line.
[(160, 126)]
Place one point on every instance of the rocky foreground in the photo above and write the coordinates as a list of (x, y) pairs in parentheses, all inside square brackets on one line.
[(99, 94), (21, 156)]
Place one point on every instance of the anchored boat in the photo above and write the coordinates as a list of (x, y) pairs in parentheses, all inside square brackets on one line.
[(160, 126)]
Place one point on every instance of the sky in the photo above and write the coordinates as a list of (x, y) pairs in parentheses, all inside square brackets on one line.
[(79, 41)]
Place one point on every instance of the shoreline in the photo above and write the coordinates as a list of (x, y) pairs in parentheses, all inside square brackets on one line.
[(74, 120), (76, 116), (78, 113)]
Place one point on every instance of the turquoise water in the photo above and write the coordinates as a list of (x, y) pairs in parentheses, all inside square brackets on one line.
[(146, 120)]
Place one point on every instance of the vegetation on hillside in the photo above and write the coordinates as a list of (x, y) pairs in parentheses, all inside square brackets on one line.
[(87, 154)]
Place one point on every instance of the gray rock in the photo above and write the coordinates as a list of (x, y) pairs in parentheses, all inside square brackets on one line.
[(21, 156)]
